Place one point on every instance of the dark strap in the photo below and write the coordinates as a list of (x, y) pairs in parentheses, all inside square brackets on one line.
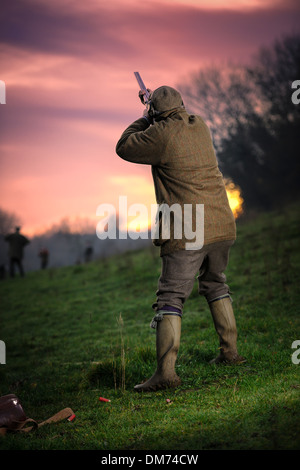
[(160, 315)]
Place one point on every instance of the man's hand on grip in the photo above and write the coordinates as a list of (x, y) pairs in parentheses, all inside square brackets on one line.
[(142, 95)]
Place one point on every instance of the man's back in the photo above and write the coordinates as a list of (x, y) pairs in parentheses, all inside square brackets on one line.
[(16, 244), (185, 170), (188, 173)]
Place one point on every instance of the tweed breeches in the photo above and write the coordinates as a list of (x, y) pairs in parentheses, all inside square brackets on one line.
[(180, 270)]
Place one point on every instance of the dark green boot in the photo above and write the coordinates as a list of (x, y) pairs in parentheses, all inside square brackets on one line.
[(224, 321), (168, 331)]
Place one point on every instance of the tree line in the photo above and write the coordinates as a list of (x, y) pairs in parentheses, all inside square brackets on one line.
[(254, 117)]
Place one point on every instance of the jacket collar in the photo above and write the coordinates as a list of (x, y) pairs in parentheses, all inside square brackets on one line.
[(170, 112)]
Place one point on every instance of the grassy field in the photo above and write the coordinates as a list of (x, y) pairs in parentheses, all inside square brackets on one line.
[(77, 333)]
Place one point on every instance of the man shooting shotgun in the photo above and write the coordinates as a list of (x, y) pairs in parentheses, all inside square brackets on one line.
[(179, 148)]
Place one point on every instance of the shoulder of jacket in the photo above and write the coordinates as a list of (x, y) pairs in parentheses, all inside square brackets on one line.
[(159, 127)]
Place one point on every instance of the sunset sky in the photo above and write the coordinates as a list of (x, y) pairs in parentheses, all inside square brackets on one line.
[(70, 90)]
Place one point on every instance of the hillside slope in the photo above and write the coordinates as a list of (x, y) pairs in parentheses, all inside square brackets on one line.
[(75, 333)]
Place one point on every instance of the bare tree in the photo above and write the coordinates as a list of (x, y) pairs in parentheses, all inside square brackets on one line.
[(253, 121), (223, 96)]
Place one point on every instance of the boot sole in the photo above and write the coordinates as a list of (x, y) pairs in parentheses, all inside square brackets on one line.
[(156, 387)]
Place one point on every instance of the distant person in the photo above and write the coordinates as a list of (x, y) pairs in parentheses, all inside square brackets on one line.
[(179, 148), (44, 255), (88, 254), (17, 242)]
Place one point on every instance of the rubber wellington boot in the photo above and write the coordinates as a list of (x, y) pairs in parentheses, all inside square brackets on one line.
[(225, 325), (168, 331)]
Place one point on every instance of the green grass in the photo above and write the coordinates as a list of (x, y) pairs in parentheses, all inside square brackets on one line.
[(74, 334)]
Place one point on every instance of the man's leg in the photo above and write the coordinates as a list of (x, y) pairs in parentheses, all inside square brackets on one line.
[(20, 266), (225, 325), (212, 284), (168, 331), (175, 284), (12, 267), (178, 275), (211, 278)]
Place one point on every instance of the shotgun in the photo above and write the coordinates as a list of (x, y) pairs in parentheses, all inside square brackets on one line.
[(146, 93)]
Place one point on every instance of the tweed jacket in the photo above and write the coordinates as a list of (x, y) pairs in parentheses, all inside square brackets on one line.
[(179, 148)]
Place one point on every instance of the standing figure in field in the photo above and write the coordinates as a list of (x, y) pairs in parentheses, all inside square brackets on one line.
[(17, 242), (44, 256), (179, 148), (88, 253)]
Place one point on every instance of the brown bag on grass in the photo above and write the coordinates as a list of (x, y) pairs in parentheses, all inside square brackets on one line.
[(13, 417)]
